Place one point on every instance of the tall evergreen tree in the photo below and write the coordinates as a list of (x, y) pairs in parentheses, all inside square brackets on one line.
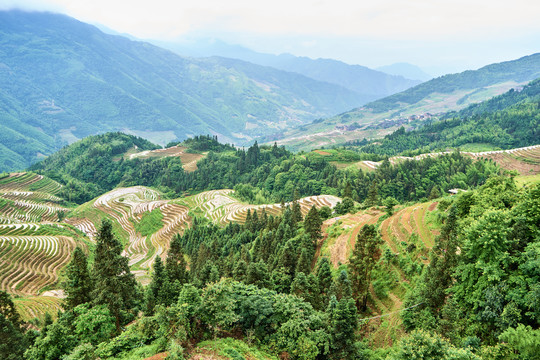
[(78, 285), (343, 326), (115, 285), (362, 262), (13, 343), (341, 288), (175, 265), (313, 223), (373, 195), (156, 290), (324, 279)]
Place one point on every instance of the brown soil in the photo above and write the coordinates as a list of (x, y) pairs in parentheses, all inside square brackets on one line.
[(159, 356), (432, 206), (321, 152), (341, 249), (510, 162)]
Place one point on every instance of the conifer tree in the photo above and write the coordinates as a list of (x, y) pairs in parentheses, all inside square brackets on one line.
[(257, 274), (114, 284), (313, 223), (363, 260), (341, 288), (78, 285), (158, 279), (304, 261), (343, 327), (373, 195), (324, 279), (175, 265), (240, 271), (13, 343)]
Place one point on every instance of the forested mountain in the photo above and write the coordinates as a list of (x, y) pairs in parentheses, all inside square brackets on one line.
[(63, 80), (368, 83), (507, 121), (414, 106)]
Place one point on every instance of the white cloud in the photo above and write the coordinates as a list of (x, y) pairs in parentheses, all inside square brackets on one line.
[(381, 19)]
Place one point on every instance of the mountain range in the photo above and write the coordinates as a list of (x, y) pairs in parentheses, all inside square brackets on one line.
[(63, 80), (370, 84), (414, 106)]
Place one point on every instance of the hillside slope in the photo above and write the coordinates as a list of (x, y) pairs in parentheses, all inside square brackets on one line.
[(370, 84), (63, 80), (415, 106)]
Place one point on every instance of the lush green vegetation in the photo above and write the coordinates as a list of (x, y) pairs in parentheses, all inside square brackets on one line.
[(263, 281), (507, 121), (525, 68), (64, 80), (150, 222), (481, 287), (261, 174)]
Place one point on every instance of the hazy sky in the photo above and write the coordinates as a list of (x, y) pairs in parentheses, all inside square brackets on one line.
[(448, 34)]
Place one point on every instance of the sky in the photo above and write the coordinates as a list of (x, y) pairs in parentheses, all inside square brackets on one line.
[(438, 35)]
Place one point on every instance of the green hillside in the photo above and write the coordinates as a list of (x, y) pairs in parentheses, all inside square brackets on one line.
[(63, 80), (413, 107), (507, 121)]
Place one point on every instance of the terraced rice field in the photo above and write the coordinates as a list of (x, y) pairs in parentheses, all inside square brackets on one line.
[(525, 160), (189, 160), (29, 182), (127, 206), (220, 207), (29, 197), (29, 263), (31, 307), (408, 225), (339, 248)]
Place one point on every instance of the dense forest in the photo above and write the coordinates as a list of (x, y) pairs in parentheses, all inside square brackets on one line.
[(477, 298), (507, 121), (262, 174)]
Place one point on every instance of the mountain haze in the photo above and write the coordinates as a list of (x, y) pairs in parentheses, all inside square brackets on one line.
[(406, 70), (368, 83), (63, 80)]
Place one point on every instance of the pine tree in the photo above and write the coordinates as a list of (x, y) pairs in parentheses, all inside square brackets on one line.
[(324, 280), (114, 284), (343, 328), (363, 260), (304, 261), (257, 274), (347, 192), (240, 271), (78, 285), (175, 265), (341, 288), (373, 195), (313, 223), (13, 342), (158, 278)]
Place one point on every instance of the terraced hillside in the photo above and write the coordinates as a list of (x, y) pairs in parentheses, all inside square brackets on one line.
[(189, 160), (128, 206), (408, 236), (32, 307), (524, 160), (34, 246), (221, 207)]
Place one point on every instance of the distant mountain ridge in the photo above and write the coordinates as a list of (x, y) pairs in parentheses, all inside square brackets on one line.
[(410, 108), (368, 83), (406, 70), (63, 80)]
